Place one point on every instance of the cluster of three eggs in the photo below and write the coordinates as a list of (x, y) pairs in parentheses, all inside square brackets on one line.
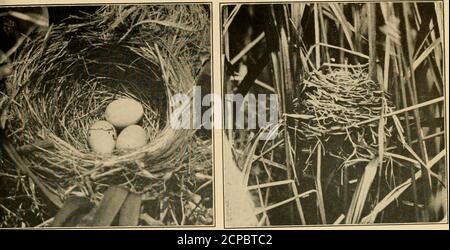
[(122, 114)]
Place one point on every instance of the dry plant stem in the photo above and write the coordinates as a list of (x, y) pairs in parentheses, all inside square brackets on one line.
[(230, 18), (22, 38), (373, 75), (341, 43), (345, 188), (226, 59), (247, 48), (273, 48), (371, 12), (288, 93), (414, 107), (278, 47), (287, 201), (412, 85), (402, 84), (289, 90), (254, 71), (323, 28), (356, 25), (413, 171), (270, 184), (260, 83), (22, 165), (275, 145), (226, 38), (261, 200), (396, 192), (339, 13), (342, 60), (317, 34), (320, 201), (351, 52)]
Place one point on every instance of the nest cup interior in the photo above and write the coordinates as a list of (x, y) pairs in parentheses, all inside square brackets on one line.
[(75, 92), (110, 74), (67, 77)]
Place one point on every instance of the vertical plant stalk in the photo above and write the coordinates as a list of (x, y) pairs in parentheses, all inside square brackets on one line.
[(226, 57), (297, 78), (371, 9), (387, 60), (317, 34), (342, 60), (320, 202), (345, 188), (323, 29), (372, 30), (288, 90), (407, 38), (408, 130), (341, 44), (381, 123), (277, 43), (356, 25), (361, 193), (261, 200)]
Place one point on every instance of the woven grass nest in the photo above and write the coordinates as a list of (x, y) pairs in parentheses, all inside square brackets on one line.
[(64, 79), (335, 104)]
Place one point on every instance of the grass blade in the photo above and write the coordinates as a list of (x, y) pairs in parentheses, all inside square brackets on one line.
[(131, 208), (360, 195), (109, 206), (396, 192)]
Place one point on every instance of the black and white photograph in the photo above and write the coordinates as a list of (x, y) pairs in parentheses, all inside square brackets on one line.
[(334, 113), (85, 116), (223, 123)]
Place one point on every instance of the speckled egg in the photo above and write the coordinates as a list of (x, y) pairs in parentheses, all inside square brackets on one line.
[(102, 137)]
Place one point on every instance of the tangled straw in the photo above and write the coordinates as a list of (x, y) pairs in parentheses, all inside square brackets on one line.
[(63, 80), (338, 100)]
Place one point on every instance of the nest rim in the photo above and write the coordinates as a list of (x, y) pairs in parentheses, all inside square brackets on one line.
[(158, 151)]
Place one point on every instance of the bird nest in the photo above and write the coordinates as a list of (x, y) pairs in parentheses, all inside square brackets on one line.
[(64, 78), (342, 105)]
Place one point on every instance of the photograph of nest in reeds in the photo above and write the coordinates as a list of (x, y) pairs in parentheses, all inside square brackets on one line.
[(84, 101), (360, 134)]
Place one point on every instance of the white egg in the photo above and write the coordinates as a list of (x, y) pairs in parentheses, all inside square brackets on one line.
[(102, 137), (132, 137), (124, 112)]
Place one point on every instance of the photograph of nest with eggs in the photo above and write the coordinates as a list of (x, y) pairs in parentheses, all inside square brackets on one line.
[(84, 101), (360, 133)]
